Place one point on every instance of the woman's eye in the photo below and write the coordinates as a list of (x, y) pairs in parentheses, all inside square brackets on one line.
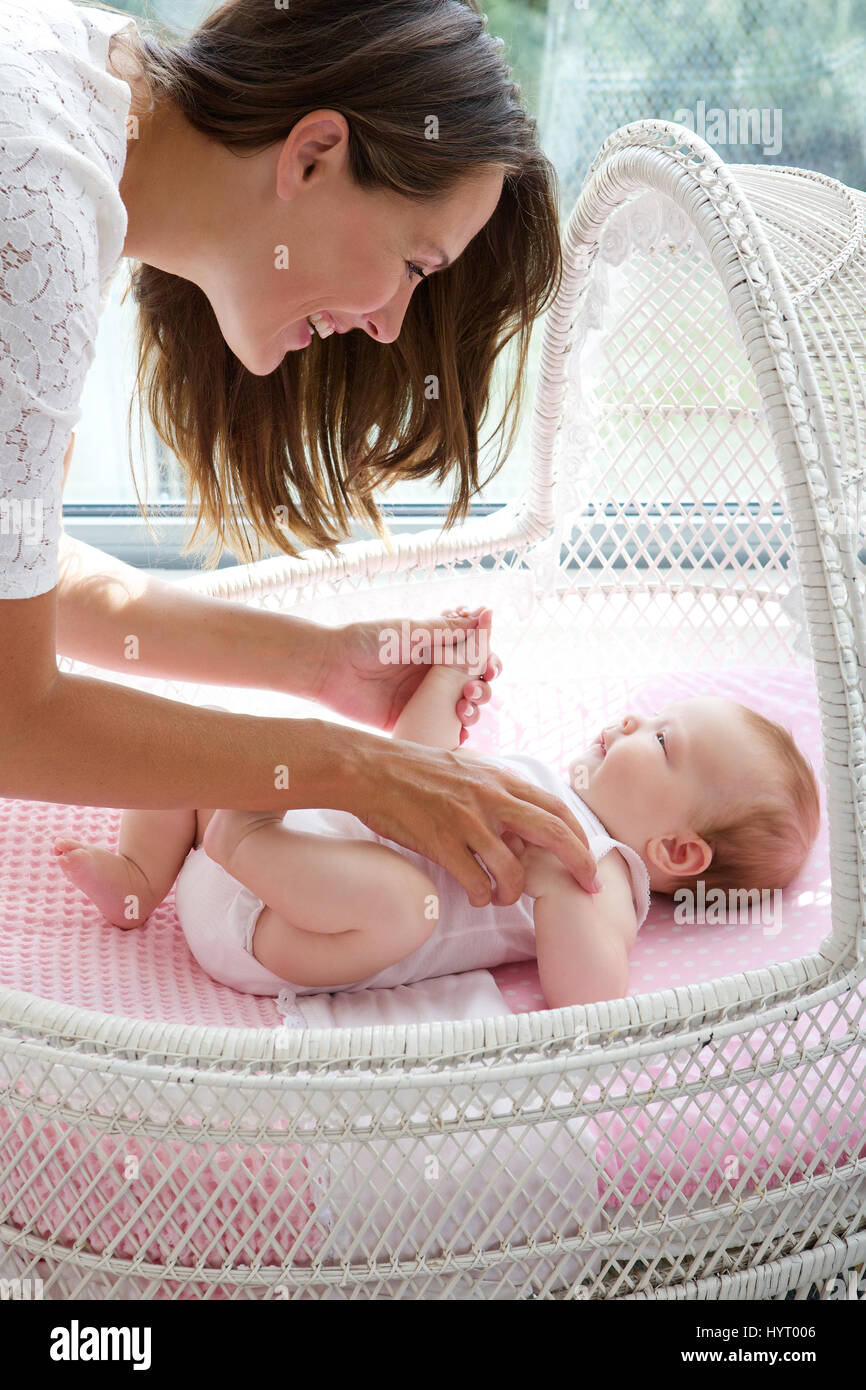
[(415, 270)]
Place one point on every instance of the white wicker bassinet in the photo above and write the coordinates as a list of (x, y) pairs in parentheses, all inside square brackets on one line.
[(710, 331)]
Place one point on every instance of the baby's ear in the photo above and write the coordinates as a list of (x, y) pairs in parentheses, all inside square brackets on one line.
[(679, 856)]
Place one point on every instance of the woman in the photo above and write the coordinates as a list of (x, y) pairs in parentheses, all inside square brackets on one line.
[(282, 162)]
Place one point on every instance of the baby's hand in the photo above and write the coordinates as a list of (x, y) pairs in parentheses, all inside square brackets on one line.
[(544, 872)]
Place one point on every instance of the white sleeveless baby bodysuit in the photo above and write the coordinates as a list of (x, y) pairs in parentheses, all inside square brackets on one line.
[(218, 914), (62, 228)]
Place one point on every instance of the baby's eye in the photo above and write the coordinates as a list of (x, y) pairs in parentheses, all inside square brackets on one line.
[(662, 737)]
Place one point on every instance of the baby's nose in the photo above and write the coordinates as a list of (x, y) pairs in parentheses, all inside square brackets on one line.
[(630, 723)]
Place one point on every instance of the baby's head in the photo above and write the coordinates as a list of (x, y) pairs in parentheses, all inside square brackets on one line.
[(705, 789)]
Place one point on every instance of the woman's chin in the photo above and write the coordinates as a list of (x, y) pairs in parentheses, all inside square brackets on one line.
[(261, 362), (266, 360), (261, 356)]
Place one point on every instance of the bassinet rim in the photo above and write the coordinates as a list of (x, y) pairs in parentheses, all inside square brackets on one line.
[(281, 1053)]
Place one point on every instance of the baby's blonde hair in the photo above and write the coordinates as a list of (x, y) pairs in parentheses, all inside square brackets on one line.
[(765, 842)]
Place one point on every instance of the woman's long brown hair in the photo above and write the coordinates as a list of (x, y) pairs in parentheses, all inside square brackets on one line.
[(300, 452)]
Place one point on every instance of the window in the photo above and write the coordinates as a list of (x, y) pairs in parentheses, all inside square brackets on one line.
[(759, 79)]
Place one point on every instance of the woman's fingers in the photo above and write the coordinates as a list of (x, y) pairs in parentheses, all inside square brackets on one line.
[(477, 688), (534, 817), (465, 622), (514, 843), (538, 818), (504, 867), (455, 811), (463, 866), (463, 612), (453, 627), (468, 712), (551, 825), (476, 691)]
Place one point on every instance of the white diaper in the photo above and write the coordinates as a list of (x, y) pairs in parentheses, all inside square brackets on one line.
[(218, 916)]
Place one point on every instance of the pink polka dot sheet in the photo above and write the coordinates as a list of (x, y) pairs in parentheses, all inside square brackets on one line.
[(759, 1133), (772, 927)]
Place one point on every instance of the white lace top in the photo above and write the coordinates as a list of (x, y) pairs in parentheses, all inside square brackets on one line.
[(63, 139)]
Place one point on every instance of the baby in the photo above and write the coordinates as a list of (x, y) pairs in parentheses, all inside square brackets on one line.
[(314, 901)]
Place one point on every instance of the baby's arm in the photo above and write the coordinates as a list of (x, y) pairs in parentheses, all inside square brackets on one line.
[(582, 956), (582, 940)]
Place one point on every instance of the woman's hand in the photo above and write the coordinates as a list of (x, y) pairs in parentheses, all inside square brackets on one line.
[(355, 681), (543, 871), (450, 808)]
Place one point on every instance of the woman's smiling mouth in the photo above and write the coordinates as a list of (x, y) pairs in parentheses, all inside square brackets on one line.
[(322, 323)]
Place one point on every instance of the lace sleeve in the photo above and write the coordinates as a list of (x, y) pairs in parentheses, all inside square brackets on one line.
[(49, 314)]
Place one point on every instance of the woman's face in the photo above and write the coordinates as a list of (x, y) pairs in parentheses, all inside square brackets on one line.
[(303, 239)]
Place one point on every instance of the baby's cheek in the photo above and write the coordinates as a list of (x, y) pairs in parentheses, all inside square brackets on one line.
[(578, 774)]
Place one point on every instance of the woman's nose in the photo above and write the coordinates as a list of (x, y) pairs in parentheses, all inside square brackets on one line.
[(385, 324)]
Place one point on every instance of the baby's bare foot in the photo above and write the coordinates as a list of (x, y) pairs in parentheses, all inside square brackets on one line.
[(226, 829), (113, 882), (475, 649), (469, 656)]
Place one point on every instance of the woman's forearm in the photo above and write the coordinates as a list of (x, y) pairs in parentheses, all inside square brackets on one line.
[(90, 742), (84, 741), (119, 618)]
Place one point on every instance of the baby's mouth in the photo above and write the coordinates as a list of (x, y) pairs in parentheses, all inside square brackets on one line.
[(603, 744)]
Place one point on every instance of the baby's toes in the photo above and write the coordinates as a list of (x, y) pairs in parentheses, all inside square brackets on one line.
[(62, 845), (75, 862), (74, 859)]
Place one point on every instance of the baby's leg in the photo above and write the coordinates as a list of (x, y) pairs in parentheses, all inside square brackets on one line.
[(430, 717), (128, 885), (335, 910)]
